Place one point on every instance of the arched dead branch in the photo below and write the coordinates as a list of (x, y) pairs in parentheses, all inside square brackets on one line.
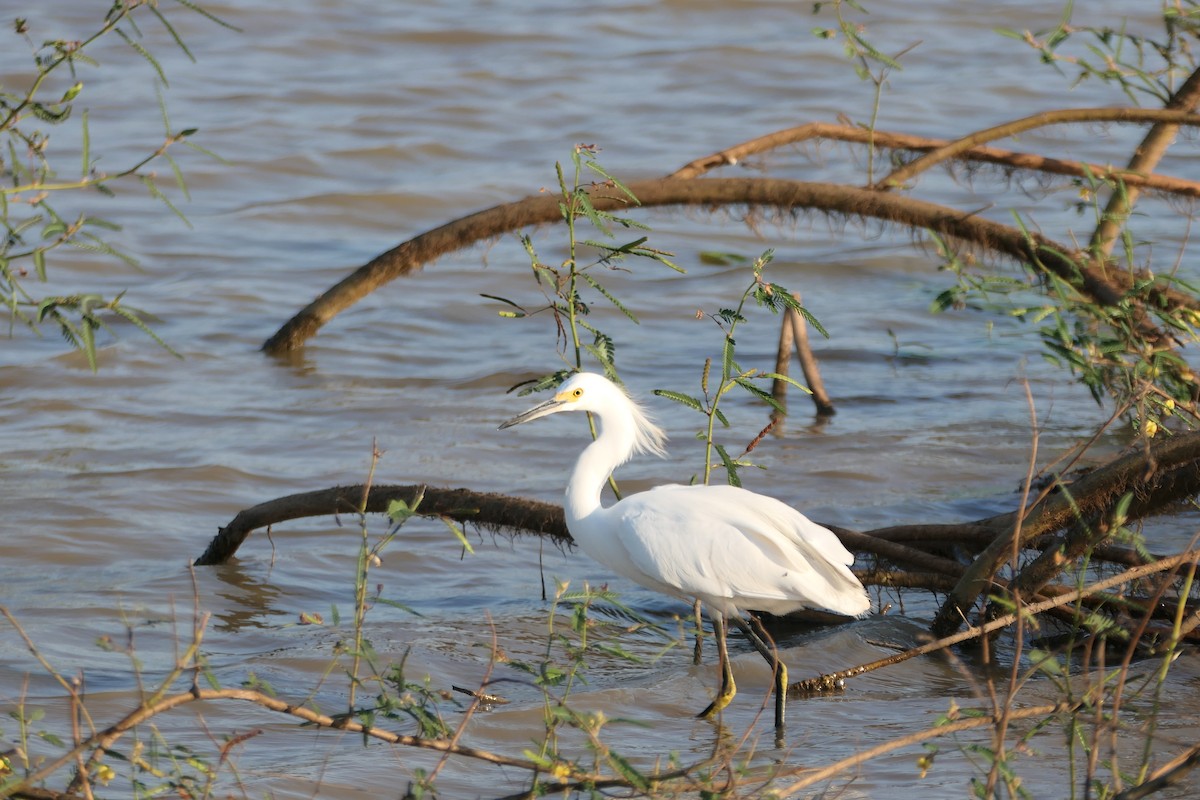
[(1104, 287), (957, 148), (889, 140)]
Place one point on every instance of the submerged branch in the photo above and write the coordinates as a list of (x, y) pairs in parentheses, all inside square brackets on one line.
[(832, 681), (1157, 477), (793, 330), (491, 511), (1169, 470)]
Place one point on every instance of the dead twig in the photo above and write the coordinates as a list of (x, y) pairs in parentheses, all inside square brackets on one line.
[(794, 329), (1145, 158), (945, 729), (891, 140), (833, 681)]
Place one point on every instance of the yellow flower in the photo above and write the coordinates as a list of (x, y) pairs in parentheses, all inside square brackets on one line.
[(104, 774)]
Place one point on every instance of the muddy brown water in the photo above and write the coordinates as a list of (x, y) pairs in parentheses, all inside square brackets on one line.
[(349, 127)]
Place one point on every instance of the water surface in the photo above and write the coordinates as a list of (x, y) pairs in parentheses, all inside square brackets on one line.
[(349, 127)]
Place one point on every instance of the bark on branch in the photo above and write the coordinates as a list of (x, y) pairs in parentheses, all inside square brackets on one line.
[(413, 254), (1157, 477), (1165, 473), (490, 511), (1104, 287)]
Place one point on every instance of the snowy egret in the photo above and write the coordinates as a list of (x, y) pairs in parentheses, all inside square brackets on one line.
[(728, 547)]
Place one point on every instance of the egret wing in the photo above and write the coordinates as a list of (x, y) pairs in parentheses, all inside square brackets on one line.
[(735, 549)]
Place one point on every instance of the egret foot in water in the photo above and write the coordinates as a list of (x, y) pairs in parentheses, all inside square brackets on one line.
[(728, 687), (730, 548), (761, 641)]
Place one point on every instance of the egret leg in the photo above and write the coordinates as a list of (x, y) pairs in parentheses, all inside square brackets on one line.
[(728, 688), (771, 654)]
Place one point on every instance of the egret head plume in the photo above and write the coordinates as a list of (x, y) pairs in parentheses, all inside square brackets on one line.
[(586, 391)]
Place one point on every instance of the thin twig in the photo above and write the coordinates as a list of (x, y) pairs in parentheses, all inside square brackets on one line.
[(890, 140), (828, 681), (957, 726), (1061, 116)]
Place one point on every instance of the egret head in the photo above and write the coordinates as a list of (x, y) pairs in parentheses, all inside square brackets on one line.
[(586, 391)]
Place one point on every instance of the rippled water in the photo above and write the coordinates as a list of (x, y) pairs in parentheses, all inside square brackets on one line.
[(348, 127)]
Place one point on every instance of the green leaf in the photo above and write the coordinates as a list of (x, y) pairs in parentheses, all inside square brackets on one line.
[(728, 365), (720, 259), (399, 511), (208, 14), (731, 467), (765, 396), (596, 168), (608, 296), (775, 376), (545, 382), (579, 618), (1045, 661), (155, 192), (131, 316), (171, 30), (804, 312), (618, 651), (144, 53), (636, 779), (459, 534), (598, 219), (72, 93), (1121, 512), (87, 337), (683, 399), (400, 606)]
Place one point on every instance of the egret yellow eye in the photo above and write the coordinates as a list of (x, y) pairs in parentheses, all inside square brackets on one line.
[(577, 393)]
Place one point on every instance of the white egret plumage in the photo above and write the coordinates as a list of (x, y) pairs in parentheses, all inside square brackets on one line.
[(730, 548)]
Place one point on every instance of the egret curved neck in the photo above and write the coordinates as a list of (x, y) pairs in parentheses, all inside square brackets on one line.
[(612, 447)]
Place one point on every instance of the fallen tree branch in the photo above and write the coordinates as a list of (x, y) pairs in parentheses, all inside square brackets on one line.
[(889, 140), (1168, 472), (1145, 159), (1060, 116), (793, 330), (832, 681), (1168, 775), (1106, 288), (1178, 475), (103, 741), (492, 511)]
